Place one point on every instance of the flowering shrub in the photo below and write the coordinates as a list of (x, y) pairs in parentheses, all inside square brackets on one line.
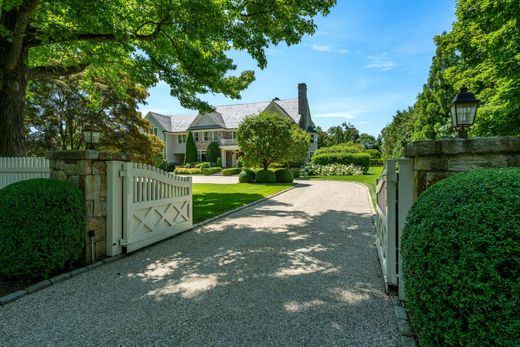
[(310, 169)]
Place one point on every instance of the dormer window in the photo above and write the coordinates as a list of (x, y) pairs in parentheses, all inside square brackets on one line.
[(154, 130)]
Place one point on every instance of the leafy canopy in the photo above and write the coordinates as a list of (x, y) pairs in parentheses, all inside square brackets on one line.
[(184, 43), (264, 138), (480, 52), (58, 109)]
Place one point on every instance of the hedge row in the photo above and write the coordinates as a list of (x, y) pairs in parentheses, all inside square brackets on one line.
[(211, 170), (358, 159), (187, 171), (231, 171)]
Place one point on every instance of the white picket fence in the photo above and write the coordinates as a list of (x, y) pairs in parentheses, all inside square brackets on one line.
[(394, 194), (145, 205), (14, 169)]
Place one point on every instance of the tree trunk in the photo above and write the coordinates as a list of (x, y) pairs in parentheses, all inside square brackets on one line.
[(12, 102)]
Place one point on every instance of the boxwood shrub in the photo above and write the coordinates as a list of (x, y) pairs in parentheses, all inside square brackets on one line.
[(211, 170), (42, 228), (284, 176), (187, 171), (243, 177), (231, 171), (265, 176), (358, 159), (461, 251), (251, 174)]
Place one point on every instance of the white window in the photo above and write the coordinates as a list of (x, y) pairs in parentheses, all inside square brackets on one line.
[(201, 155), (206, 136), (155, 131), (196, 136), (181, 138), (216, 136)]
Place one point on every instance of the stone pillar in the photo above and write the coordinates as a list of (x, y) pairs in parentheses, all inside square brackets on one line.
[(88, 171), (436, 160)]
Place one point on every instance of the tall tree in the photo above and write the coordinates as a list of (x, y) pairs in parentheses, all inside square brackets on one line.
[(432, 107), (184, 43), (190, 156), (397, 134), (486, 36), (58, 110), (264, 138)]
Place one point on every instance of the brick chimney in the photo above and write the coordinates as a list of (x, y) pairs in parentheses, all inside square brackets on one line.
[(303, 107)]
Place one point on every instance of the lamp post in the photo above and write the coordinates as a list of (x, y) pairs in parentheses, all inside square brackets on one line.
[(91, 136), (463, 110)]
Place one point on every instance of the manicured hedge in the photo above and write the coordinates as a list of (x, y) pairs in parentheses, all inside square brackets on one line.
[(377, 162), (42, 228), (348, 147), (211, 170), (284, 176), (357, 159), (231, 171), (265, 176), (461, 251), (187, 171), (243, 177), (203, 165)]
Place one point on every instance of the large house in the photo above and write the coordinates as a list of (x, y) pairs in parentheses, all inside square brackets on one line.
[(221, 125)]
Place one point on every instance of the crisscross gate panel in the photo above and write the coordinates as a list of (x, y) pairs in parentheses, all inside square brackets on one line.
[(155, 205)]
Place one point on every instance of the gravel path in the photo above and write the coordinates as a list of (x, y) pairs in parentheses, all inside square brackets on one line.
[(298, 270)]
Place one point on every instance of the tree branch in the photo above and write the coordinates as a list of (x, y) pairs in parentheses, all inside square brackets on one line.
[(100, 37), (51, 71), (20, 27)]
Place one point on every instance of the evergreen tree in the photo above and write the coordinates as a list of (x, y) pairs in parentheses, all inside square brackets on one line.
[(213, 152), (191, 150)]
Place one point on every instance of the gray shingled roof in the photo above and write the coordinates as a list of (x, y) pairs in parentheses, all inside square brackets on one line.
[(228, 115)]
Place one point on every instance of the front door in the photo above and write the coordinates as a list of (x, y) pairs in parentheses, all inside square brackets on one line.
[(229, 159)]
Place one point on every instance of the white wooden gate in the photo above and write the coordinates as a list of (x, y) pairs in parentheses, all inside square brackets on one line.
[(14, 169), (145, 205), (394, 199)]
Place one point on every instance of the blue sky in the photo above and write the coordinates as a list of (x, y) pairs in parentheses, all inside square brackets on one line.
[(366, 60)]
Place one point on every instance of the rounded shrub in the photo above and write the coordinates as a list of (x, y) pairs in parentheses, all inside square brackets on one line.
[(219, 162), (243, 177), (42, 228), (265, 176), (461, 254), (284, 176), (251, 174)]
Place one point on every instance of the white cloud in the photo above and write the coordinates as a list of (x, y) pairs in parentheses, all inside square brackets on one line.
[(380, 62), (326, 48)]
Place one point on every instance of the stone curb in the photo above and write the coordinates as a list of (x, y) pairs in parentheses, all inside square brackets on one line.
[(406, 335), (6, 299)]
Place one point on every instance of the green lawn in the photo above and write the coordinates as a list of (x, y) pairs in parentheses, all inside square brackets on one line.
[(210, 200), (368, 179)]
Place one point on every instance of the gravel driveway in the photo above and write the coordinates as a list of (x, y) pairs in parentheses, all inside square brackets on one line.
[(298, 270)]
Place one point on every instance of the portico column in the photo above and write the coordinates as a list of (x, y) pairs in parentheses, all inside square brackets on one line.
[(223, 157)]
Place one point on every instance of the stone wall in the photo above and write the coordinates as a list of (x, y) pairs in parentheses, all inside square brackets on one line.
[(88, 171), (436, 160)]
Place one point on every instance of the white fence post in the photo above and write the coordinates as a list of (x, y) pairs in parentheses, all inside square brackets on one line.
[(405, 204), (391, 200), (114, 208)]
